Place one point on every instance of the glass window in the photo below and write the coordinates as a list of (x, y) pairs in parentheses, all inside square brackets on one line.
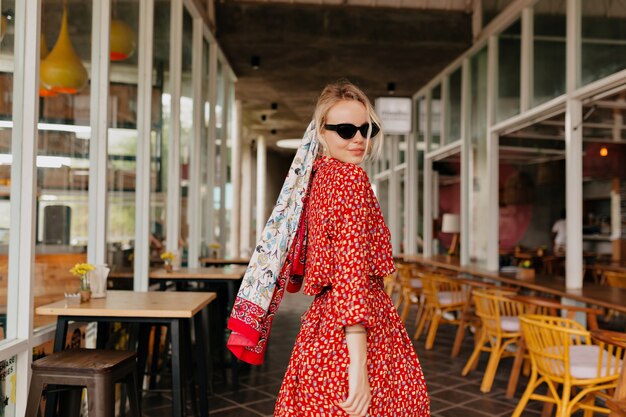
[(435, 118), (420, 147), (603, 39), (478, 96), (186, 130), (401, 213), (7, 41), (161, 120), (509, 50), (402, 148), (453, 118), (383, 198), (205, 169), (387, 151), (228, 195), (63, 150), (122, 134), (218, 196), (549, 50)]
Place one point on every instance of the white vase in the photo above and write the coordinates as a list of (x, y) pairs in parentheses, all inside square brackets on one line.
[(98, 281)]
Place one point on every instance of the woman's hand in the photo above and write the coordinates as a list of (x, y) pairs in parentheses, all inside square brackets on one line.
[(359, 393)]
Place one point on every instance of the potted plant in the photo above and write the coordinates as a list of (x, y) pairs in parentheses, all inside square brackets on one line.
[(525, 270), (168, 258), (80, 270)]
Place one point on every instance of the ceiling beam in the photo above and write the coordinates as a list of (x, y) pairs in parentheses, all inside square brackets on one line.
[(448, 5)]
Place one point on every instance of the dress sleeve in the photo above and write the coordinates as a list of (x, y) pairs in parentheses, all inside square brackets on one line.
[(350, 280)]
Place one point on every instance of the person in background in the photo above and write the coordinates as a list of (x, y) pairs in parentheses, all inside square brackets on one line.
[(559, 234)]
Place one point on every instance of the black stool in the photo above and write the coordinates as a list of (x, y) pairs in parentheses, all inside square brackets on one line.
[(95, 369)]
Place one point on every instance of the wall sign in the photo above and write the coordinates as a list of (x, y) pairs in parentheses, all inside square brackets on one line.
[(396, 114)]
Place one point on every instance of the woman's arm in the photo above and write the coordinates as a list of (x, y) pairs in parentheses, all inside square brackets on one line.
[(359, 394)]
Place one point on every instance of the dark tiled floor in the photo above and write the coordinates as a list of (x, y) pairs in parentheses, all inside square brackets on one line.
[(452, 395)]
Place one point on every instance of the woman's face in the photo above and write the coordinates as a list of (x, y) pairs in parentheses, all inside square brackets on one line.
[(346, 150)]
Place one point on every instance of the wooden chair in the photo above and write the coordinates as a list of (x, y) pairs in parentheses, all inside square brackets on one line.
[(562, 353), (615, 279), (546, 307), (410, 289), (95, 369), (442, 295), (468, 315), (500, 328)]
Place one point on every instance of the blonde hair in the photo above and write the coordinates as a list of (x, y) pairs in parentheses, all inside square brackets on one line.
[(340, 91)]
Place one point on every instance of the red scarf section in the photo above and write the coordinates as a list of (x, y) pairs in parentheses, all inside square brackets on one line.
[(251, 325)]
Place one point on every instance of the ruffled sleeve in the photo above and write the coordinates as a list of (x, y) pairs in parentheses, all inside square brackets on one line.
[(351, 205)]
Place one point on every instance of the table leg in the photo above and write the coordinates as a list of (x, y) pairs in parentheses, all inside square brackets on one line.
[(201, 363), (102, 334), (156, 353), (177, 402), (59, 344), (61, 334)]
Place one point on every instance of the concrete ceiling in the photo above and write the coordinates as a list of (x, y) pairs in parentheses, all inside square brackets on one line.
[(302, 47)]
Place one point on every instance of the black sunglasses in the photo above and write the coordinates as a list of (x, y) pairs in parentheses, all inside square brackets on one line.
[(348, 130)]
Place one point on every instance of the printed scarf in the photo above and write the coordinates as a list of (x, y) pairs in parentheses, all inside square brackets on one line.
[(277, 262)]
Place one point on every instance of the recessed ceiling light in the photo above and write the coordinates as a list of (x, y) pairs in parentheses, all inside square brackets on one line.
[(289, 143)]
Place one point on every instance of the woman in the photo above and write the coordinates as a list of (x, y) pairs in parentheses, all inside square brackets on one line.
[(352, 356)]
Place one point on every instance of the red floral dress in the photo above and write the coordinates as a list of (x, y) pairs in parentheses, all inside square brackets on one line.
[(348, 254)]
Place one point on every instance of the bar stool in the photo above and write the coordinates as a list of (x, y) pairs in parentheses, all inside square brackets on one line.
[(95, 369)]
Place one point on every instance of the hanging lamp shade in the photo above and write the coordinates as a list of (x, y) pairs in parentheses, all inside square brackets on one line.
[(43, 48), (122, 40), (43, 53), (3, 26), (62, 71)]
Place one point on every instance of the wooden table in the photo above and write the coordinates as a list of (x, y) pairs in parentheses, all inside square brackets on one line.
[(619, 340), (224, 261), (173, 309), (594, 294), (228, 275)]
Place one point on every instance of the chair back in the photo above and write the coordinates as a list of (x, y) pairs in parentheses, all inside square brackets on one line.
[(492, 305), (437, 288), (552, 307), (615, 279), (550, 341)]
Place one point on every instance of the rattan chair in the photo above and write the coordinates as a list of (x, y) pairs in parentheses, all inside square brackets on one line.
[(615, 279), (499, 328), (410, 290), (547, 307), (442, 295), (562, 353)]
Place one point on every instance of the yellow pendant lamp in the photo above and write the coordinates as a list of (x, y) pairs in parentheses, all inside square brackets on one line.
[(3, 26), (62, 71), (122, 40), (43, 53)]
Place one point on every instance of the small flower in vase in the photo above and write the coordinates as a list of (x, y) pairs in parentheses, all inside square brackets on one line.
[(168, 258), (526, 270), (80, 271)]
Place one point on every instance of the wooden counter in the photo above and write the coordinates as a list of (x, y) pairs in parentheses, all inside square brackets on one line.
[(595, 294)]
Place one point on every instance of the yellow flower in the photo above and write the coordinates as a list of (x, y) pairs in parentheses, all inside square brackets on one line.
[(167, 256), (525, 264), (80, 270)]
